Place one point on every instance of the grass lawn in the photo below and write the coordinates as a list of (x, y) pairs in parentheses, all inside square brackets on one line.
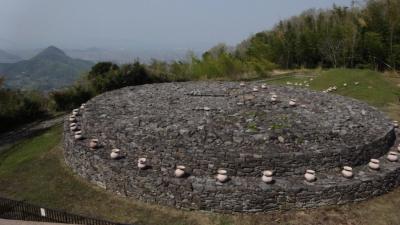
[(33, 170), (377, 89), (373, 87)]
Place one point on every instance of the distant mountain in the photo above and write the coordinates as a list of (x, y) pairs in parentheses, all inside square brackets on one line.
[(6, 57), (101, 55), (48, 70)]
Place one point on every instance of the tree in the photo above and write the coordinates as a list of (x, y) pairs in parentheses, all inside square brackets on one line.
[(340, 36), (375, 49), (102, 68), (393, 11)]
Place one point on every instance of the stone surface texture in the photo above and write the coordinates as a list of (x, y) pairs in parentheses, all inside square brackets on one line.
[(206, 126)]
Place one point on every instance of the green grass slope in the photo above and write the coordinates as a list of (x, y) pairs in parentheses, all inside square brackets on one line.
[(34, 171), (373, 87)]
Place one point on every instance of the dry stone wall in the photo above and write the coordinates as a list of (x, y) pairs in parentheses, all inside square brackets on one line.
[(206, 126)]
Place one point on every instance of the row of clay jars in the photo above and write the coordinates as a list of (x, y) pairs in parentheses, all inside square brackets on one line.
[(375, 163), (75, 113), (274, 97), (255, 88), (267, 175), (222, 176), (346, 172), (77, 133), (74, 126), (310, 176), (292, 101)]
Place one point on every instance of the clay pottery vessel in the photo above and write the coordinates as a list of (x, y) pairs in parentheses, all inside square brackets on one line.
[(347, 172), (115, 153), (310, 175), (374, 164), (75, 112), (142, 163), (274, 97), (393, 156), (180, 171), (94, 143), (74, 128), (267, 176), (222, 176), (292, 102), (78, 135)]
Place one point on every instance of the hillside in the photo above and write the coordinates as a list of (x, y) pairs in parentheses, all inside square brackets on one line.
[(34, 170), (6, 57), (48, 70), (361, 36)]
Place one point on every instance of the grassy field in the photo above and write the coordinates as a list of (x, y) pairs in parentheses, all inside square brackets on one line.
[(377, 89), (33, 170), (373, 87)]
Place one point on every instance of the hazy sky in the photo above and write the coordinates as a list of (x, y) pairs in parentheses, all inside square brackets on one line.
[(145, 24)]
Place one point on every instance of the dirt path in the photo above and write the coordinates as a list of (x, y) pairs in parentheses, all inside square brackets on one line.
[(18, 222), (10, 138)]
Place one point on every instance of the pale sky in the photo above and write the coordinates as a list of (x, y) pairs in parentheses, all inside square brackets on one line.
[(144, 24)]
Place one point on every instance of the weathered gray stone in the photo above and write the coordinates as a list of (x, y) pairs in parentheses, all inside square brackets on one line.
[(201, 126)]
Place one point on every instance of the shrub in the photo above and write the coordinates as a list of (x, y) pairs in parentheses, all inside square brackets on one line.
[(70, 98), (17, 108)]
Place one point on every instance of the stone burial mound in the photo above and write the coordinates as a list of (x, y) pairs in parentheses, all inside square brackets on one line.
[(233, 147)]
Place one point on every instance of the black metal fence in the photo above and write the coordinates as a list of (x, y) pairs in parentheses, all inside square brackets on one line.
[(19, 210)]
